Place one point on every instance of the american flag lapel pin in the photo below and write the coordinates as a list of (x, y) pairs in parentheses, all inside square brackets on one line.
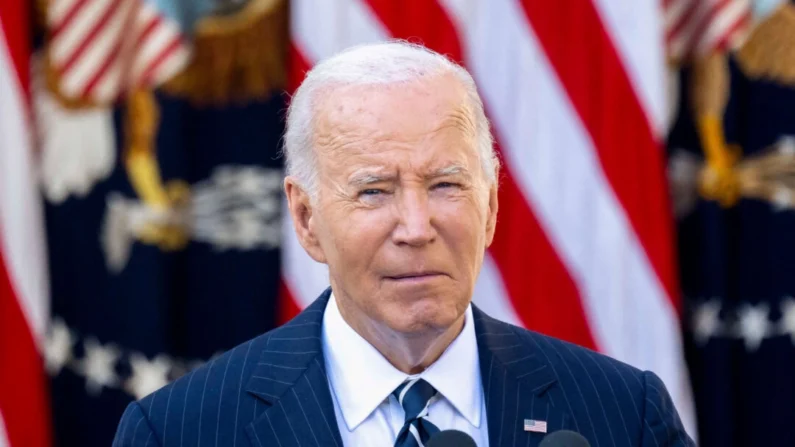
[(535, 426)]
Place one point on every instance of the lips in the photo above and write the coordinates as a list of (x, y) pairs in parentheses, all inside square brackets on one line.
[(414, 275)]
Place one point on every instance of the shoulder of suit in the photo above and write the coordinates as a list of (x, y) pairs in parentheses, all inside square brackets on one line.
[(564, 355), (239, 361)]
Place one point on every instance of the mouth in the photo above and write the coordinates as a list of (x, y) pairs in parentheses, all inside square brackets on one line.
[(415, 276)]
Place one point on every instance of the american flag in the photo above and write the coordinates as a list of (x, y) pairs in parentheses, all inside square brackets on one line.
[(102, 48), (24, 294), (535, 426), (697, 27), (98, 50), (575, 91)]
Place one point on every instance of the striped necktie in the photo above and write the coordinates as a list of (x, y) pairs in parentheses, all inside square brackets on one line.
[(415, 397)]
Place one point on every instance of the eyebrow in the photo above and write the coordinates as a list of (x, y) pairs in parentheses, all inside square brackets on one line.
[(370, 178), (455, 169)]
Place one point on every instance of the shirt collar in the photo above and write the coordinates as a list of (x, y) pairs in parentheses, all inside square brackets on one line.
[(361, 378), (456, 374)]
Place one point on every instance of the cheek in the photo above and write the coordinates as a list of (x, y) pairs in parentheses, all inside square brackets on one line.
[(462, 210), (463, 225), (359, 234)]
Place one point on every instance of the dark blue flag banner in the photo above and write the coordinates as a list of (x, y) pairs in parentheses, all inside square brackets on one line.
[(163, 218), (732, 160)]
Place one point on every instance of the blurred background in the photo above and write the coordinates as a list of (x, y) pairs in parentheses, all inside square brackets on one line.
[(646, 201)]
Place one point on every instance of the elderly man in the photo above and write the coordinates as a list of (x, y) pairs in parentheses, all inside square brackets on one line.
[(392, 182)]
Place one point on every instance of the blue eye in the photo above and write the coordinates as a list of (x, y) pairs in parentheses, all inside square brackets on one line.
[(371, 192), (445, 185)]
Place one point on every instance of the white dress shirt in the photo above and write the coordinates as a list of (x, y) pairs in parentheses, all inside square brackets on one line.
[(362, 380)]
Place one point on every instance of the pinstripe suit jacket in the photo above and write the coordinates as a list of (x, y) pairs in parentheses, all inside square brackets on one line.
[(272, 391)]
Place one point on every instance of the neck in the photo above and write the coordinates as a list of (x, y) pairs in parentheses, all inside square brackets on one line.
[(410, 353)]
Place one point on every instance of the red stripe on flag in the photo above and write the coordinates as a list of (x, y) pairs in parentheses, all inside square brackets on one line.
[(90, 38), (537, 282), (297, 68), (154, 22), (14, 20), (288, 307), (588, 66), (23, 390), (68, 17), (420, 19)]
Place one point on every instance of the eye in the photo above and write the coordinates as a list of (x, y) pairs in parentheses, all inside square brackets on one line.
[(371, 192), (444, 185)]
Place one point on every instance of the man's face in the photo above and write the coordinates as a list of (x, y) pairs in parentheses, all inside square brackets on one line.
[(404, 212)]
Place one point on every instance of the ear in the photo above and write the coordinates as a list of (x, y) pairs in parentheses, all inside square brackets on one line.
[(304, 219), (491, 218)]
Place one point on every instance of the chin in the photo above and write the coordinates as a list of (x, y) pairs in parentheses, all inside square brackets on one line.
[(429, 314)]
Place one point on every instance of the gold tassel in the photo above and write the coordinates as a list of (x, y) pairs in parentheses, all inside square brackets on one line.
[(236, 58), (141, 123), (140, 160), (709, 94)]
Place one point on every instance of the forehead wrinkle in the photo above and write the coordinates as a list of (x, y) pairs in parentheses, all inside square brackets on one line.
[(459, 118), (337, 137)]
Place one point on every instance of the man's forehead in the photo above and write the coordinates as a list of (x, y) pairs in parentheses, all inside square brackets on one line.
[(415, 104)]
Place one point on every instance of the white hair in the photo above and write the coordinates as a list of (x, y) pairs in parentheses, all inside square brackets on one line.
[(371, 64)]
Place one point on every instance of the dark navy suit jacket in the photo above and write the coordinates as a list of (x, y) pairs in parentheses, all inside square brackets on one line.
[(272, 391)]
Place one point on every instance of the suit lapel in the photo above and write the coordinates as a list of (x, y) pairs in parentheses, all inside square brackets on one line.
[(291, 379), (518, 384)]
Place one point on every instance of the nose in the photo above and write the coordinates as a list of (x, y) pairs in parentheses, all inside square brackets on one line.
[(415, 226)]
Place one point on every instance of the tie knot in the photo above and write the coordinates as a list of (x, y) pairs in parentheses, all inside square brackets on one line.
[(414, 396)]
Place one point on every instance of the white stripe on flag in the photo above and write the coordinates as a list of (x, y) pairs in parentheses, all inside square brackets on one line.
[(304, 277), (21, 214), (3, 436), (322, 29), (490, 294)]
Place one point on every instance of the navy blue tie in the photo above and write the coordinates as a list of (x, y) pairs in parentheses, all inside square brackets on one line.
[(415, 397)]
